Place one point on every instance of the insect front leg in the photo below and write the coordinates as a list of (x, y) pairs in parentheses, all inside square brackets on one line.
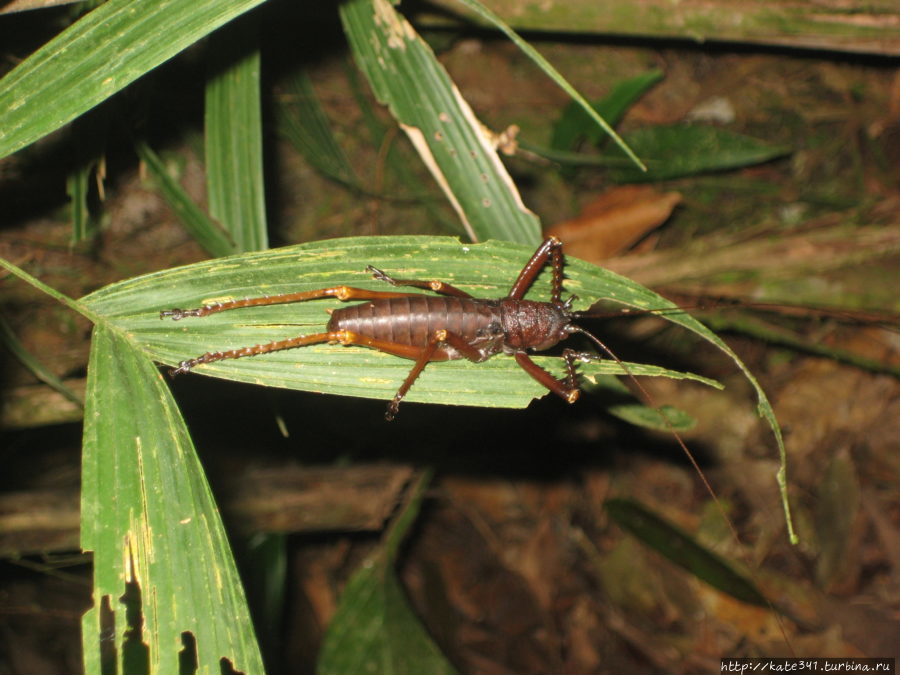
[(437, 286), (566, 388), (550, 250)]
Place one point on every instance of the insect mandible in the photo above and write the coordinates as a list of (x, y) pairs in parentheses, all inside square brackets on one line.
[(443, 327)]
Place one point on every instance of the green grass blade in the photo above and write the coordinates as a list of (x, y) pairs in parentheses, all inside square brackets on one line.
[(149, 517), (233, 134), (208, 233), (78, 185), (553, 74), (406, 76), (9, 340), (574, 124), (97, 56), (88, 141)]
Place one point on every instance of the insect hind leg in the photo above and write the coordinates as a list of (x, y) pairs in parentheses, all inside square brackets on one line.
[(290, 343)]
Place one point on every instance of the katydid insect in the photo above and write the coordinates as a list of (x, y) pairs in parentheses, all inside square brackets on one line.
[(423, 328)]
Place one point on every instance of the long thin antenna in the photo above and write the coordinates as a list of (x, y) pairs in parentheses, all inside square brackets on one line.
[(573, 328), (666, 421)]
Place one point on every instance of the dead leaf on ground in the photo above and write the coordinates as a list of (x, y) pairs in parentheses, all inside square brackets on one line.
[(614, 221)]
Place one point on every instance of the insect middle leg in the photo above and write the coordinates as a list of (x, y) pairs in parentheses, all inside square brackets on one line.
[(435, 285), (438, 339), (567, 388)]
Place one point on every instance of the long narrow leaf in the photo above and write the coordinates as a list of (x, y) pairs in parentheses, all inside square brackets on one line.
[(9, 340), (575, 124), (148, 516), (683, 550), (688, 149), (97, 56), (304, 123), (234, 162), (406, 76), (485, 270)]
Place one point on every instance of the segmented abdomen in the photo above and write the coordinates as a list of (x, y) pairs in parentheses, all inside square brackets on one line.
[(412, 320)]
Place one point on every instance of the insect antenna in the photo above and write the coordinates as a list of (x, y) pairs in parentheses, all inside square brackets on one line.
[(573, 328), (665, 418)]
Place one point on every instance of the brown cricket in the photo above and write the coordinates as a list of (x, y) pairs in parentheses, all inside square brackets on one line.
[(425, 328)]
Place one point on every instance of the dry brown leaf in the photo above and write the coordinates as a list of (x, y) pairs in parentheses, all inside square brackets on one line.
[(614, 221)]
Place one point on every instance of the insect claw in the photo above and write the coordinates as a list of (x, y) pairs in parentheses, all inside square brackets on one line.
[(379, 275), (183, 367), (583, 357), (178, 314)]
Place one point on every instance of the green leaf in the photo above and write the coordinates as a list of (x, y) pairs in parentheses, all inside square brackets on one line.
[(78, 185), (264, 565), (575, 124), (649, 418), (374, 630), (682, 550), (686, 149), (97, 56), (406, 76), (88, 145), (485, 270), (233, 134), (149, 517)]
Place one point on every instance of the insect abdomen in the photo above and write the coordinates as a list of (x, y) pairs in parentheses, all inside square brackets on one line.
[(412, 320)]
